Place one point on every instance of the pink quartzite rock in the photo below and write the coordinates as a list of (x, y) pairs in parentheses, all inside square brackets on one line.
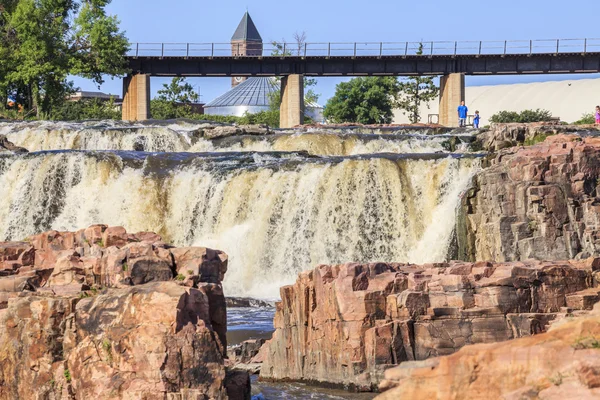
[(346, 324), (560, 364), (100, 314), (535, 202)]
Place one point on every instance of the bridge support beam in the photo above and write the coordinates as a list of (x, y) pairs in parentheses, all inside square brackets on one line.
[(292, 101), (452, 92), (136, 97)]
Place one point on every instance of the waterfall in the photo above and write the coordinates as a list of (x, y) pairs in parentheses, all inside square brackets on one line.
[(180, 137), (274, 213)]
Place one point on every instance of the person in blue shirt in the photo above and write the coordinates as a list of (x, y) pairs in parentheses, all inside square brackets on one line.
[(462, 114), (476, 120)]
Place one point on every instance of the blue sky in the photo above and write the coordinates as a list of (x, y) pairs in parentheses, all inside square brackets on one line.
[(348, 21)]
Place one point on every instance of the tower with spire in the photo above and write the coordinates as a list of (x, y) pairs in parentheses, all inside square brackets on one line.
[(246, 41)]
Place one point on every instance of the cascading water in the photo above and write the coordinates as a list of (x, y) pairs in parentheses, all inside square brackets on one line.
[(274, 213), (179, 137)]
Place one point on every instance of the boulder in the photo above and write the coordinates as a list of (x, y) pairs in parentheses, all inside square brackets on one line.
[(345, 325), (534, 202), (562, 363)]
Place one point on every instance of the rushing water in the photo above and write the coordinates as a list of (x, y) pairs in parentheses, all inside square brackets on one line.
[(275, 214), (180, 137), (277, 204)]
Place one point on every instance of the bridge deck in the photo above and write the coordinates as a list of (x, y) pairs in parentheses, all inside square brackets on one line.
[(386, 65)]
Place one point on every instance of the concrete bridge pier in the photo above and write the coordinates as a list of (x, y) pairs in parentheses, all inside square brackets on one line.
[(452, 92), (136, 97), (292, 101)]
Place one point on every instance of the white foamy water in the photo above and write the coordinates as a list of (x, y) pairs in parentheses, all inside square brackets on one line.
[(180, 137), (275, 215)]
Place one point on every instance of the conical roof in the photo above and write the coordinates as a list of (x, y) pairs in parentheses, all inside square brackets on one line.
[(252, 92), (246, 30)]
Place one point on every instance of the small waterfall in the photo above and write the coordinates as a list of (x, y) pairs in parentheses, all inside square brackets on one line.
[(274, 213), (180, 137)]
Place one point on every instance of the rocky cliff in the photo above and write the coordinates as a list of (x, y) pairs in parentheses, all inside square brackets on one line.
[(535, 202), (563, 363), (104, 314), (346, 324)]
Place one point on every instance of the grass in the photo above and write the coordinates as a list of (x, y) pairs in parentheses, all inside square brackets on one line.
[(589, 342), (67, 375), (557, 379), (125, 267), (536, 139), (190, 272), (180, 277), (107, 347)]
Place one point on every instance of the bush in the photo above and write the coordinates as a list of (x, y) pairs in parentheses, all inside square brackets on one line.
[(586, 119), (85, 109), (523, 117)]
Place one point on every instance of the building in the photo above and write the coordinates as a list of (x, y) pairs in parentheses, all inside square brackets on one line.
[(85, 95), (251, 95), (567, 100)]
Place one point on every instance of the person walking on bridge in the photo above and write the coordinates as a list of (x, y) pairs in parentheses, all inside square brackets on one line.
[(462, 114)]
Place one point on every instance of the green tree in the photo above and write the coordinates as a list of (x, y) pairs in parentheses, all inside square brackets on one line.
[(173, 100), (524, 116), (369, 100), (45, 41), (284, 49), (586, 119), (414, 91)]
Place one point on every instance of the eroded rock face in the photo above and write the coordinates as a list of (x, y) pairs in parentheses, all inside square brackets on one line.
[(535, 202), (563, 363), (346, 324), (502, 136), (101, 313)]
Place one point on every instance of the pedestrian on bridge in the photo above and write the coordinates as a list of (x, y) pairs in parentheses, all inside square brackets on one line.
[(462, 114)]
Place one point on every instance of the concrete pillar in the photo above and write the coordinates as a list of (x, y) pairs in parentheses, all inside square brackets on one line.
[(292, 101), (452, 92), (136, 97)]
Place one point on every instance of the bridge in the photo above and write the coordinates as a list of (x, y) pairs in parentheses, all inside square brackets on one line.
[(291, 61)]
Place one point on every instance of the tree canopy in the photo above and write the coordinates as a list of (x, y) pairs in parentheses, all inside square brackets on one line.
[(43, 42), (369, 100)]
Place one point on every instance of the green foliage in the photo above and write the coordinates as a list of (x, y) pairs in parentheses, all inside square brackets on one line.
[(524, 116), (368, 100), (590, 342), (586, 119), (43, 42), (125, 267), (173, 100), (180, 277), (414, 91), (67, 375), (296, 48), (536, 139), (86, 109), (107, 347)]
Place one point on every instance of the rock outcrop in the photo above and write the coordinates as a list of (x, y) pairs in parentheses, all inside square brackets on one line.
[(535, 202), (104, 314), (502, 136), (346, 324), (6, 145), (563, 363)]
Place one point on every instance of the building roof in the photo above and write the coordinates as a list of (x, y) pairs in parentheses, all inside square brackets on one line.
[(246, 30), (252, 92), (255, 91)]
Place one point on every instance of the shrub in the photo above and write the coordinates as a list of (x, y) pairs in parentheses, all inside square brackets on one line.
[(524, 116), (586, 119), (86, 109)]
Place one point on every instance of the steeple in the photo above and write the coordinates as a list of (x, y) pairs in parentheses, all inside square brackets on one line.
[(246, 30), (245, 42)]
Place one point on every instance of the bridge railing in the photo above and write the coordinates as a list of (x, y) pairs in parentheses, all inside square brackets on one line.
[(373, 49)]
